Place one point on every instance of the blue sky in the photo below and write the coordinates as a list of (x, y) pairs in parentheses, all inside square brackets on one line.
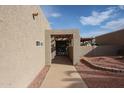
[(91, 20)]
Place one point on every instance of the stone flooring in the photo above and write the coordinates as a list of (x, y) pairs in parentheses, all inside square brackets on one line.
[(62, 74)]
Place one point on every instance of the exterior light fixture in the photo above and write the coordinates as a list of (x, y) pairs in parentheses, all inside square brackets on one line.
[(34, 14)]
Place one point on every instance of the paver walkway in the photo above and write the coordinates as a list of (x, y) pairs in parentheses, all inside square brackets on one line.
[(62, 74)]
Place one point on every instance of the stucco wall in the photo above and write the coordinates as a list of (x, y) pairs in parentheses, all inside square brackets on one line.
[(48, 55), (20, 58), (75, 41), (114, 38), (85, 50), (76, 47), (53, 46), (105, 50), (70, 53)]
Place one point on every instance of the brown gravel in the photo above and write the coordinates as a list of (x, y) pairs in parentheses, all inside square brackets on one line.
[(111, 62), (100, 79)]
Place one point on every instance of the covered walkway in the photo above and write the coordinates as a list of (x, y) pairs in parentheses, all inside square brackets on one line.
[(62, 74)]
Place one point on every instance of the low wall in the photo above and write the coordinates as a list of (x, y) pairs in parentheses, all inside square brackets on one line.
[(100, 50)]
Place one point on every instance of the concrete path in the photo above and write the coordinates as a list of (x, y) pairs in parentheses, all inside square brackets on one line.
[(62, 74)]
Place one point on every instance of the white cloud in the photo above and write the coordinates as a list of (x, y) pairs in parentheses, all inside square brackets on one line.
[(51, 11), (55, 15), (121, 7), (97, 17), (115, 24), (50, 23)]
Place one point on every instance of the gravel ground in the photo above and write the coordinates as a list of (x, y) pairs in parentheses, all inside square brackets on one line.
[(107, 62), (100, 79)]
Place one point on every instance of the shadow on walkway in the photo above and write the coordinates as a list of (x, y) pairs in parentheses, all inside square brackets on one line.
[(76, 83), (58, 75)]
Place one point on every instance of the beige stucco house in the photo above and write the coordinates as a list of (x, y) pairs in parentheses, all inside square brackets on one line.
[(27, 44)]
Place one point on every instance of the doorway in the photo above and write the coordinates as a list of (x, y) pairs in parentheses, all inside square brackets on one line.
[(62, 48)]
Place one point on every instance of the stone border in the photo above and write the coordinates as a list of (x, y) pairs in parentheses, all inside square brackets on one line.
[(36, 83), (88, 62)]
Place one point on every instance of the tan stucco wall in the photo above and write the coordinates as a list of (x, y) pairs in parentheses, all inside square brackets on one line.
[(76, 47), (105, 50), (70, 53), (20, 58), (114, 38), (53, 45), (48, 55)]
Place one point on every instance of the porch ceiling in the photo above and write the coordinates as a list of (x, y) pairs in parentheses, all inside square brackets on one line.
[(63, 36)]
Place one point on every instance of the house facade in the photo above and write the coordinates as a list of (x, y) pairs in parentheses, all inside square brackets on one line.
[(26, 45)]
